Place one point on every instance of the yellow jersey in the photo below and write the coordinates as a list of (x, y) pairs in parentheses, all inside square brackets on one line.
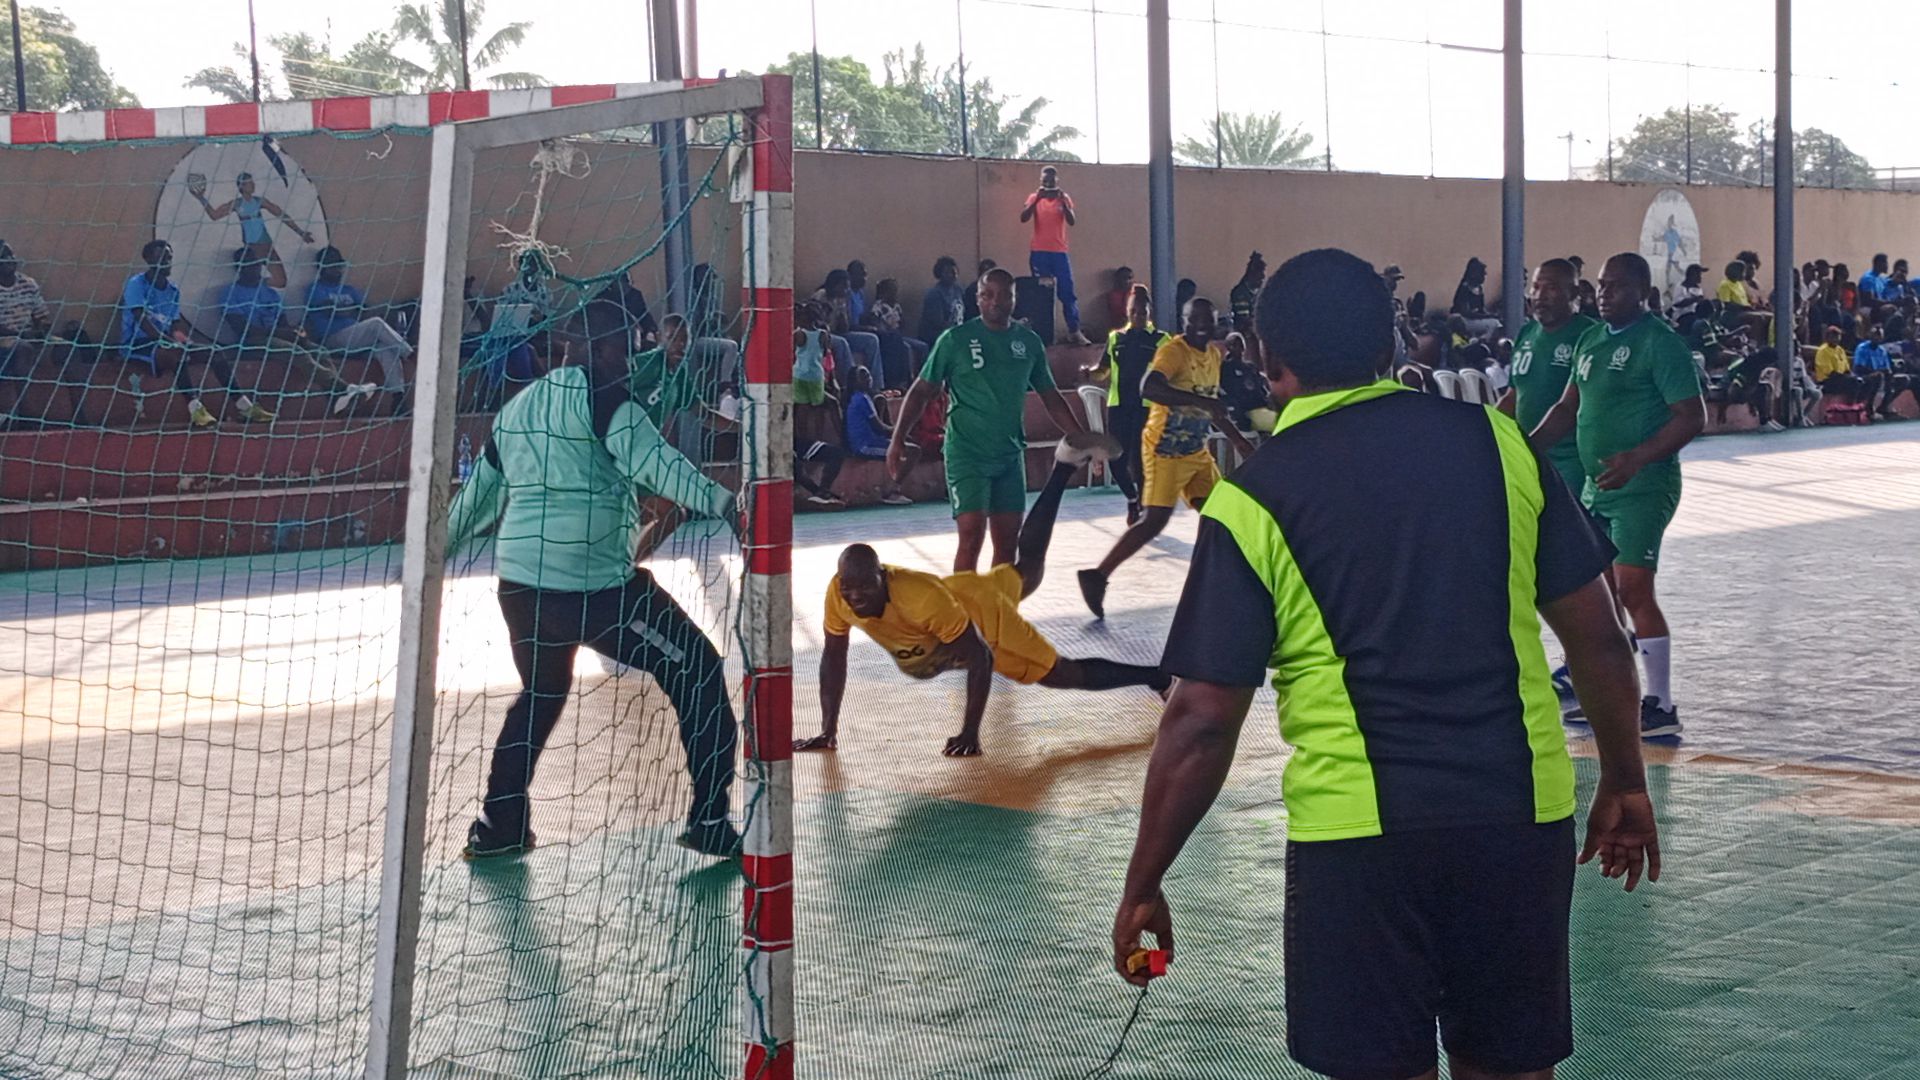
[(1831, 360), (1180, 431), (924, 612)]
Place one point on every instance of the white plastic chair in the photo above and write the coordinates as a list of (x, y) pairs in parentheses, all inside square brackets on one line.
[(1475, 386), (1447, 383), (1093, 400)]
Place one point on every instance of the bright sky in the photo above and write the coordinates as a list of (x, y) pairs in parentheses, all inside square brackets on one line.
[(1404, 86)]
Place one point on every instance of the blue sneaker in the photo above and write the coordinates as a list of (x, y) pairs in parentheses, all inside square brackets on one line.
[(1563, 683), (1656, 722), (1570, 710)]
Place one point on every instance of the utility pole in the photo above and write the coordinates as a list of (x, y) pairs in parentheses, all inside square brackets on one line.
[(460, 24), (1160, 159), (1513, 185), (253, 49), (671, 137), (19, 62)]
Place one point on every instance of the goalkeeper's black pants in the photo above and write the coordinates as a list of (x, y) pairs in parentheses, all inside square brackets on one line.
[(637, 624)]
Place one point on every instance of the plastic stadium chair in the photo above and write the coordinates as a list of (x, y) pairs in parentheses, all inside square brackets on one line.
[(1475, 386), (1447, 383)]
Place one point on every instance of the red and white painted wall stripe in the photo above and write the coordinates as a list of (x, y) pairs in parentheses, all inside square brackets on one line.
[(301, 117), (767, 297)]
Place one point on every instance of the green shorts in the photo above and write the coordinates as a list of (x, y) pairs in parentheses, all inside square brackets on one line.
[(809, 392), (1636, 519), (988, 487)]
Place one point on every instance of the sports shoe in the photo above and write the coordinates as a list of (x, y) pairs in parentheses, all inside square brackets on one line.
[(346, 399), (822, 500), (1773, 425), (1093, 589), (717, 838), (484, 841), (1133, 513), (197, 409), (1082, 447), (1076, 338), (251, 409), (1656, 722), (896, 499), (1570, 709)]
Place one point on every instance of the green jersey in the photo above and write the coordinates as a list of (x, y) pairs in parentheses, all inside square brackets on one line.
[(659, 389), (1542, 361), (987, 374), (1627, 380), (562, 487)]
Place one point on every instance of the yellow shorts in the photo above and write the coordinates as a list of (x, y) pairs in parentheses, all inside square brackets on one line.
[(992, 600), (1165, 480)]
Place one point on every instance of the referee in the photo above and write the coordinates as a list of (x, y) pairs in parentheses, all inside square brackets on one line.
[(1430, 796)]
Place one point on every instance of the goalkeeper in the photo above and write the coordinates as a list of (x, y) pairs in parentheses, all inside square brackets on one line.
[(559, 474)]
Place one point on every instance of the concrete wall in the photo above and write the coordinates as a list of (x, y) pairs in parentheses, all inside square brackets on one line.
[(78, 218)]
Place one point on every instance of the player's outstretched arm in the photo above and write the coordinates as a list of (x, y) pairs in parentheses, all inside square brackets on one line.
[(1620, 827), (647, 461), (973, 651), (918, 395), (1558, 423), (1199, 732), (833, 689), (479, 503), (1061, 413)]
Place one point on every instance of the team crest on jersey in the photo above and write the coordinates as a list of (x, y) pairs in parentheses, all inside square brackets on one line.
[(1562, 355), (1619, 361), (1018, 348)]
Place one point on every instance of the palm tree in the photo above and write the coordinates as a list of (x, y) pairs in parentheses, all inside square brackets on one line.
[(1250, 141), (439, 29)]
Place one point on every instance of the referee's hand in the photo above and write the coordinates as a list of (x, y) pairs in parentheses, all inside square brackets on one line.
[(1621, 830), (1137, 917)]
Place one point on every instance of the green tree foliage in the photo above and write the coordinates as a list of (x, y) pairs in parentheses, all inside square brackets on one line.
[(438, 28), (915, 108), (1658, 148), (378, 63), (1251, 141), (1825, 160), (308, 69), (63, 72)]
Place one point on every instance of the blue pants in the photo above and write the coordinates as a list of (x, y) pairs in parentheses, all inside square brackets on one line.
[(1056, 265)]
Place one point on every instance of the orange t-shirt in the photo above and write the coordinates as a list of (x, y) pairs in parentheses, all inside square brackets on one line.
[(1049, 222)]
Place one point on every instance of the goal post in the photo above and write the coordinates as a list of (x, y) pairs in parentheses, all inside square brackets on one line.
[(253, 697), (762, 184)]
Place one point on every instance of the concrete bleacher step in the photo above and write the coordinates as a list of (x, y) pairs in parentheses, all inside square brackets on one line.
[(105, 394), (45, 536), (55, 465)]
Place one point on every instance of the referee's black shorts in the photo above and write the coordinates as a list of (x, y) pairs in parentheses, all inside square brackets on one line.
[(1464, 928)]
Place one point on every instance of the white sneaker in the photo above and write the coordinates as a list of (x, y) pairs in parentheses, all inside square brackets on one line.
[(896, 499), (1082, 447)]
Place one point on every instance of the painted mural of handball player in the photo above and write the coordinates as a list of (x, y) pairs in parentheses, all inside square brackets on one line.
[(966, 621), (251, 208)]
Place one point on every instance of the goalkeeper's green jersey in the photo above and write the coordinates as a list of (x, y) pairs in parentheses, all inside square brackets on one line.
[(562, 482)]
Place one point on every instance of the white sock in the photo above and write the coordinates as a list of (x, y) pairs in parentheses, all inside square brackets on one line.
[(1656, 656)]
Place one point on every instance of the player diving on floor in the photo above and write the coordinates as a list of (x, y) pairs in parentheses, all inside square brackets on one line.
[(966, 621)]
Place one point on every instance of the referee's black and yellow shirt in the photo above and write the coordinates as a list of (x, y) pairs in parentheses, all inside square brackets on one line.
[(1383, 555)]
